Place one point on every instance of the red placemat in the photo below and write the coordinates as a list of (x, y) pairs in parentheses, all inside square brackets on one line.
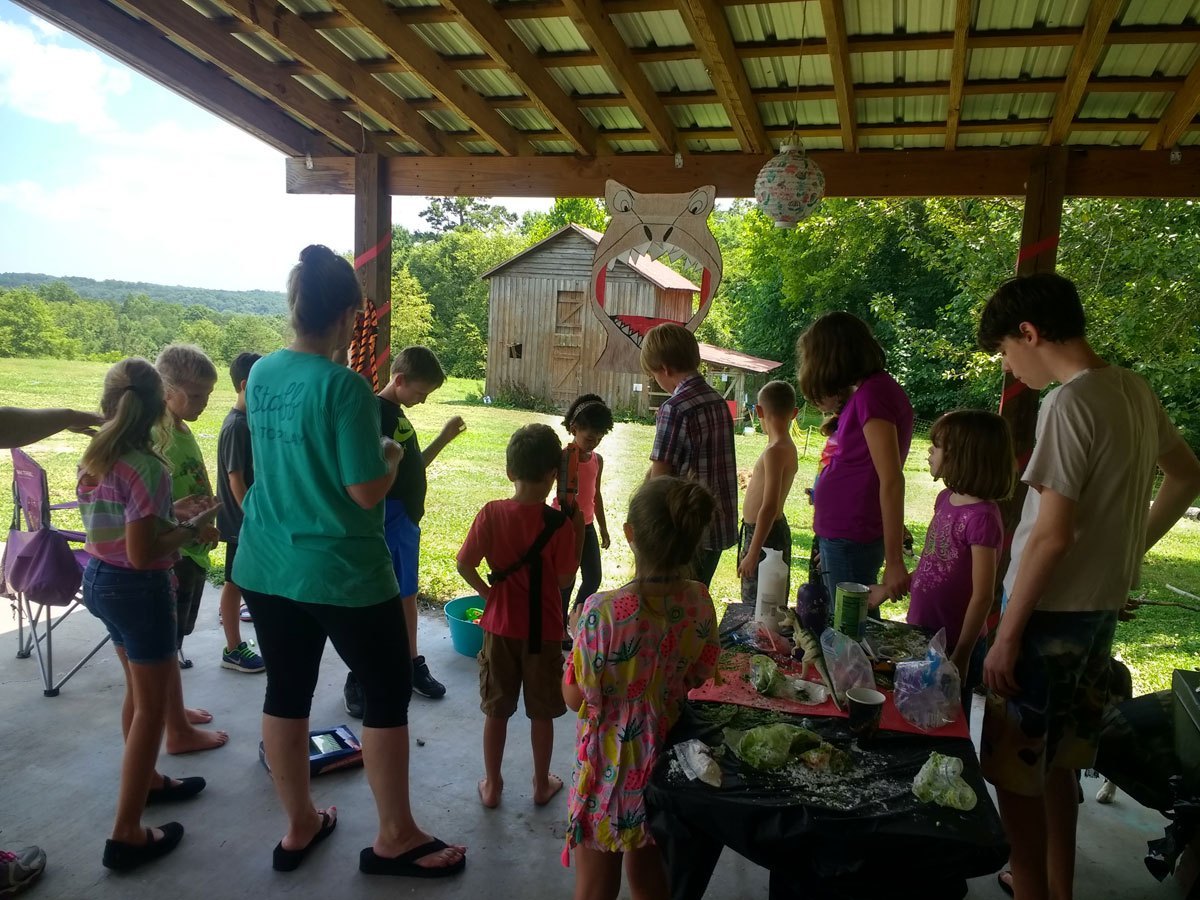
[(735, 687)]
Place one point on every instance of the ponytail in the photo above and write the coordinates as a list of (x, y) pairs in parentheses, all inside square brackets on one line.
[(132, 404), (669, 517)]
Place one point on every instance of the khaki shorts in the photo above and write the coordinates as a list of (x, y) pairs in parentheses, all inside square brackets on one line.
[(506, 668)]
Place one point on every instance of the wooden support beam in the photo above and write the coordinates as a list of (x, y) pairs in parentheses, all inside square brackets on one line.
[(1087, 52), (886, 173), (1040, 229), (306, 43), (601, 35), (406, 46), (706, 22), (141, 47), (1178, 116), (958, 70), (492, 33), (202, 37), (834, 14), (373, 247)]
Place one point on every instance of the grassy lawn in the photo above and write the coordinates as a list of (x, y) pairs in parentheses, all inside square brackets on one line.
[(471, 471)]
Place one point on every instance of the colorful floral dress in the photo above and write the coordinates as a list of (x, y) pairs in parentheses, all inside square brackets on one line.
[(635, 658)]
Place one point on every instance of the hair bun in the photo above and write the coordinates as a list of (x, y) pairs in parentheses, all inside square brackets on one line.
[(314, 252)]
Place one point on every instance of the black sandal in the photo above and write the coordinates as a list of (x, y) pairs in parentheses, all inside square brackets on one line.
[(406, 865), (122, 857), (173, 793), (286, 860)]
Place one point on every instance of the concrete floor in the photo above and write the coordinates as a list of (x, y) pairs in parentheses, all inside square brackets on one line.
[(60, 759)]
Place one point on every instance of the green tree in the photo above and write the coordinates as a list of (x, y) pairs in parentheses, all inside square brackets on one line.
[(585, 211), (448, 270), (463, 349), (28, 327), (466, 213), (412, 315), (206, 335), (248, 333)]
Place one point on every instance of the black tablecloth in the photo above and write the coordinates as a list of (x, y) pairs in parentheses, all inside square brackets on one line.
[(868, 836)]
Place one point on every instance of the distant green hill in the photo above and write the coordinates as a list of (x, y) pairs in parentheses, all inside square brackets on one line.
[(248, 302)]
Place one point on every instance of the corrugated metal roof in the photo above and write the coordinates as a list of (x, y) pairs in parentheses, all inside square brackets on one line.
[(926, 108), (264, 47), (778, 71), (1005, 14), (1123, 106), (907, 65), (554, 148), (406, 4), (526, 119), (997, 107), (448, 39), (735, 359), (407, 85), (1146, 59), (446, 120), (684, 75), (583, 80), (712, 145), (1106, 138), (806, 112), (699, 115), (775, 21), (1164, 12), (551, 35), (626, 146), (490, 82), (1017, 62), (913, 16), (652, 29), (355, 43), (1002, 139), (611, 118)]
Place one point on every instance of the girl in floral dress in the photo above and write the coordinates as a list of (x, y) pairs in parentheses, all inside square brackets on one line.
[(638, 651)]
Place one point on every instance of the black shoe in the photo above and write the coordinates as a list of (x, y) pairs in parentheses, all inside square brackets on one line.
[(424, 683), (352, 693), (123, 857)]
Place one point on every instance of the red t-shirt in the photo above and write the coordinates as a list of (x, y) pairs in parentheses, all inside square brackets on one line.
[(502, 533)]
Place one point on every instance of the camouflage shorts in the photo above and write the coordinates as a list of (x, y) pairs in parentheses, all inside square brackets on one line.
[(1055, 720)]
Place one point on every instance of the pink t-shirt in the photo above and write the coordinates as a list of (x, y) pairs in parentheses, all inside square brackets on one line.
[(501, 533), (586, 498), (136, 487), (941, 585), (846, 496)]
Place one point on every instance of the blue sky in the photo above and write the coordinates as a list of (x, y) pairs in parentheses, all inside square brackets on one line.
[(106, 174)]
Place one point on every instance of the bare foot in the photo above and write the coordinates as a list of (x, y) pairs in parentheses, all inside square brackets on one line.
[(195, 740), (543, 795), (489, 796), (197, 716)]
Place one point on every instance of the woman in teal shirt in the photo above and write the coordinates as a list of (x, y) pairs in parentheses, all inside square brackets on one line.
[(312, 564)]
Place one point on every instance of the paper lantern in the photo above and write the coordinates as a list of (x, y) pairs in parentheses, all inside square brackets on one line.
[(789, 187)]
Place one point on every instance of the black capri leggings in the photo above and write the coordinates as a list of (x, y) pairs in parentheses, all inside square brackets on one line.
[(589, 571), (371, 640)]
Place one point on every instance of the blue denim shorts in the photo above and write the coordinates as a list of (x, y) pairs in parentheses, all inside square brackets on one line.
[(403, 537), (135, 606)]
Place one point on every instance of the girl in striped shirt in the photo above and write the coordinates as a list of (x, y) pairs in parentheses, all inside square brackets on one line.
[(133, 537)]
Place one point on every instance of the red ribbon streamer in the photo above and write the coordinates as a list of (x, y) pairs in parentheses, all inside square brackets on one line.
[(1037, 249), (368, 255)]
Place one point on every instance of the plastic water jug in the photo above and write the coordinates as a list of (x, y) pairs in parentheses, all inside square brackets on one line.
[(772, 588)]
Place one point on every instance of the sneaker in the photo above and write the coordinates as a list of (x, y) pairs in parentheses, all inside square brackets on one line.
[(242, 659), (352, 693), (424, 683), (21, 869)]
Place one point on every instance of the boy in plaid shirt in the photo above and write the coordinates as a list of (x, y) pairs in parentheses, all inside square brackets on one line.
[(693, 436)]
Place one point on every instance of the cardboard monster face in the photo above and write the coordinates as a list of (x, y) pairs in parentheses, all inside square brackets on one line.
[(650, 225)]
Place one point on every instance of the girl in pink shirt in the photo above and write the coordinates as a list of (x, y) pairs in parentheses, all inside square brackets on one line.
[(859, 498)]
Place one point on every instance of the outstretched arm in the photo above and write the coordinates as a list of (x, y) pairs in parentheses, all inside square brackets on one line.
[(450, 431), (19, 427)]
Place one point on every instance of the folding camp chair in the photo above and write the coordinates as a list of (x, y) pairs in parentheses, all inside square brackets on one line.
[(36, 621)]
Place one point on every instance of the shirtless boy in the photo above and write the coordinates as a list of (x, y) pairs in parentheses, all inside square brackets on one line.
[(763, 521)]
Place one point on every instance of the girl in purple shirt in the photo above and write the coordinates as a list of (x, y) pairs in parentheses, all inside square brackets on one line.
[(972, 453), (859, 498)]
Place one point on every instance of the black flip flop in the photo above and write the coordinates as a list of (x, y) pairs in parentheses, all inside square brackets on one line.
[(173, 793), (370, 863), (122, 857), (1004, 885), (285, 860)]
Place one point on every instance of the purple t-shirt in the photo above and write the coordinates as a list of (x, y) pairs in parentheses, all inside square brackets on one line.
[(846, 496), (941, 585)]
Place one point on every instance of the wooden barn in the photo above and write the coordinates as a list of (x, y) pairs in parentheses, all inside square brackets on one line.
[(544, 340)]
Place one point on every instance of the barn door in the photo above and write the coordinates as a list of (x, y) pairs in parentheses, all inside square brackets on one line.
[(566, 369)]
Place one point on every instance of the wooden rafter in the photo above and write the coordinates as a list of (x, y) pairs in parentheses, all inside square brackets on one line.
[(1178, 116), (202, 37), (834, 14), (958, 70), (491, 32), (705, 20), (1083, 62), (406, 46), (141, 46), (306, 43), (895, 173), (623, 70)]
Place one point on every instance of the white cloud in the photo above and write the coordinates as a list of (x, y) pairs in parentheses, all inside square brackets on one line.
[(67, 85), (152, 200)]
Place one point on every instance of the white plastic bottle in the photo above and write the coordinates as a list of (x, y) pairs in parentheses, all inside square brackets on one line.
[(772, 588)]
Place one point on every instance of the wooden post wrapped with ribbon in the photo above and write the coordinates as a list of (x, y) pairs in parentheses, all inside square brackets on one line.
[(370, 347)]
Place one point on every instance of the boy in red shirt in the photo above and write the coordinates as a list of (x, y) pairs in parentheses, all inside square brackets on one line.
[(533, 552)]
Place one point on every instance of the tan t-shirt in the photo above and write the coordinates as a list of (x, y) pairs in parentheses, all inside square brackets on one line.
[(1099, 436)]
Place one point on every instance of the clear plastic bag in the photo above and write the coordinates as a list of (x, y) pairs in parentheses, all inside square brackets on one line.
[(940, 781), (758, 636), (927, 690), (848, 665)]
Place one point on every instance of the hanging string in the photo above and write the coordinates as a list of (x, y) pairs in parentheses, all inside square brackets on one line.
[(792, 138)]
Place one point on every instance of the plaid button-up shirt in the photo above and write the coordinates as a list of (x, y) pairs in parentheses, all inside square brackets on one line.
[(694, 435)]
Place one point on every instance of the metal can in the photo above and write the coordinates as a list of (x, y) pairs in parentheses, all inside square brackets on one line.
[(850, 609)]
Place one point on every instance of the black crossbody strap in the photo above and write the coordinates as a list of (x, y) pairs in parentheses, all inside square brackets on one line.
[(533, 558)]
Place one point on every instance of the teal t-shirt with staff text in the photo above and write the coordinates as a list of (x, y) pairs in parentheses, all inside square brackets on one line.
[(314, 429)]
